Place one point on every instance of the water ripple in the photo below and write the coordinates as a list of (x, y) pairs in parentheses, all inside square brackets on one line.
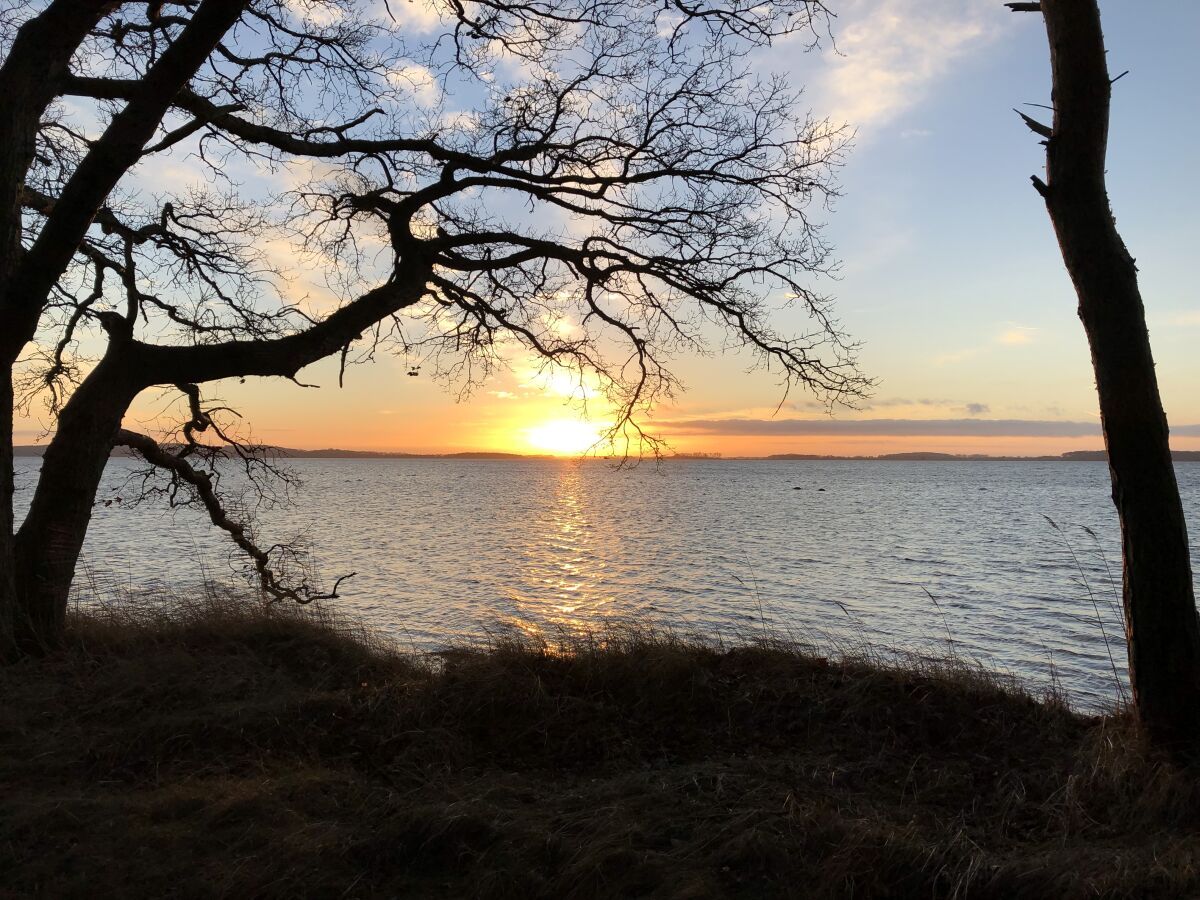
[(443, 546)]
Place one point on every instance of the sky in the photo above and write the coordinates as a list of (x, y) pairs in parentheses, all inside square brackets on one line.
[(950, 276)]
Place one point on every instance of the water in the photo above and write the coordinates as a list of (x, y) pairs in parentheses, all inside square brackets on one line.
[(836, 552)]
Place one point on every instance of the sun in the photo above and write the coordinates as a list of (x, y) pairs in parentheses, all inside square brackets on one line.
[(564, 436)]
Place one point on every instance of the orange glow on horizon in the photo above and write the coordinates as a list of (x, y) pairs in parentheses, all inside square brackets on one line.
[(513, 415)]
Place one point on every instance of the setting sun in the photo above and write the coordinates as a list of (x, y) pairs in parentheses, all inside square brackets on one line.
[(564, 436)]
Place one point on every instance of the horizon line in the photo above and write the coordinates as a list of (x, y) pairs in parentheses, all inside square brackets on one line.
[(1084, 455)]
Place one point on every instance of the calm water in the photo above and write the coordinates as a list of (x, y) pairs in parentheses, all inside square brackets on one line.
[(830, 551)]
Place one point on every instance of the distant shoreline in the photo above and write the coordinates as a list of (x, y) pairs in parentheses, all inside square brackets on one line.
[(33, 450)]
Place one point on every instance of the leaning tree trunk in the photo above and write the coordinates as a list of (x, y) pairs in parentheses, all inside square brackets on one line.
[(1161, 623), (50, 539)]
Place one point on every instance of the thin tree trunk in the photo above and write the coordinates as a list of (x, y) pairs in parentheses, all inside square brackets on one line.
[(1160, 612), (51, 537)]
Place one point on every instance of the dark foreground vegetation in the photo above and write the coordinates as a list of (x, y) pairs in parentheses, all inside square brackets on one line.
[(221, 751)]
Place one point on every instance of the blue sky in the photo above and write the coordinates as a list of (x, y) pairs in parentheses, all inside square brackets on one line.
[(951, 274)]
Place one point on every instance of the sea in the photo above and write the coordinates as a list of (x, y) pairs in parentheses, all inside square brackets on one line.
[(1015, 565)]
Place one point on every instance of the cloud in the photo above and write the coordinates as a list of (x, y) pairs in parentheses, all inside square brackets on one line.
[(1012, 336), (892, 50), (419, 81), (1018, 334), (904, 401), (409, 16), (319, 14), (893, 427), (1186, 319), (745, 427), (977, 409)]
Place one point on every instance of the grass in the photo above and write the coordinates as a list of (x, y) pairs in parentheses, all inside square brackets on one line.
[(210, 749)]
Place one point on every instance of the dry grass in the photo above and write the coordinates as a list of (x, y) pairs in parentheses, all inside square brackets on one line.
[(209, 749)]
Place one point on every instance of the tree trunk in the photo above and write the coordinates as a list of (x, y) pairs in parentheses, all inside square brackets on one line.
[(46, 548), (8, 583), (33, 66), (50, 539), (1161, 623)]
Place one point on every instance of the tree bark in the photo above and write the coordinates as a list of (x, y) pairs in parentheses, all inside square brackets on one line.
[(51, 537), (8, 583), (29, 80), (1161, 622), (36, 61)]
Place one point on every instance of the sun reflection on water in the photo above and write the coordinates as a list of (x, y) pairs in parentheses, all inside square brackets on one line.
[(563, 561)]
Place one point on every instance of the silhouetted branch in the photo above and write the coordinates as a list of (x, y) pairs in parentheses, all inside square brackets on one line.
[(1035, 126), (179, 468)]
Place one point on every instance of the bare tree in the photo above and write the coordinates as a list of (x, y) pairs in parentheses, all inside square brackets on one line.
[(1161, 624), (615, 163)]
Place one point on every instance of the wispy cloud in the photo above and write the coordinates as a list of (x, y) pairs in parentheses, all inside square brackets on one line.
[(411, 16), (1011, 335), (744, 427), (1017, 334), (419, 81), (899, 407), (903, 401), (317, 14), (893, 428), (893, 50)]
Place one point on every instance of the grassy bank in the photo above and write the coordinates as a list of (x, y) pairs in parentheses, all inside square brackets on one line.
[(219, 751)]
